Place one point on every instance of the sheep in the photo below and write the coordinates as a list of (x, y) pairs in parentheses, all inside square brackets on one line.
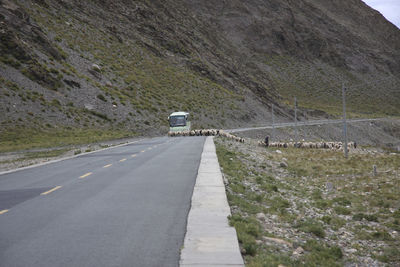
[(315, 145), (206, 132)]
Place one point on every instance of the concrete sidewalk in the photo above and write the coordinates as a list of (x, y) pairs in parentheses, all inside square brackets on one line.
[(209, 240)]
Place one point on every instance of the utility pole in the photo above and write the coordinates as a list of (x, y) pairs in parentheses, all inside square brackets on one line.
[(273, 123), (346, 153), (295, 119)]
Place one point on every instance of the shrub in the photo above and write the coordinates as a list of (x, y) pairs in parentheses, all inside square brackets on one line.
[(368, 217), (342, 210), (101, 97), (319, 253), (312, 227), (382, 235), (342, 201), (247, 230), (100, 115)]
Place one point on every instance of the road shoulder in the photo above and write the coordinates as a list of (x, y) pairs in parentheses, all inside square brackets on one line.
[(209, 240)]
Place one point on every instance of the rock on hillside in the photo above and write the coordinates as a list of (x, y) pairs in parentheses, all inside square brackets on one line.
[(342, 33), (128, 64)]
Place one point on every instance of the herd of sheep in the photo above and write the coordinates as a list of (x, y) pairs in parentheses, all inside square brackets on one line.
[(302, 144), (207, 132)]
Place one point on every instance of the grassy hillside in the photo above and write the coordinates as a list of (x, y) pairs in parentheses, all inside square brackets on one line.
[(318, 85)]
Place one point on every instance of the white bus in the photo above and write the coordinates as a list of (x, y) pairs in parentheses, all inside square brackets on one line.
[(179, 121)]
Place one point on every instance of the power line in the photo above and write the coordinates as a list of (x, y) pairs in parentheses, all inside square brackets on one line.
[(273, 123)]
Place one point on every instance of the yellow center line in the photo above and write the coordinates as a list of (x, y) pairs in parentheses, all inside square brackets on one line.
[(108, 165), (86, 175), (51, 190), (134, 155), (3, 211), (143, 151), (122, 160)]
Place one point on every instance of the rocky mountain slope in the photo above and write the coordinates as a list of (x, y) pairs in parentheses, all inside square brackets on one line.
[(125, 65)]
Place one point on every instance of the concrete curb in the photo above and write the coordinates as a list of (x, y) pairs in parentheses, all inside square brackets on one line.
[(209, 240), (66, 158)]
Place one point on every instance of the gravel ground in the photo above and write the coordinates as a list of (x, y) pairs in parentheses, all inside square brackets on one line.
[(302, 207)]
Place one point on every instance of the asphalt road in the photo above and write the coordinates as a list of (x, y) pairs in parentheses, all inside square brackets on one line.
[(125, 206)]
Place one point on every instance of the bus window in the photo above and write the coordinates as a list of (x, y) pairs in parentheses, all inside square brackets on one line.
[(175, 121)]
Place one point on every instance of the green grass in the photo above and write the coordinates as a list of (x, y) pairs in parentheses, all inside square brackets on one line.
[(322, 255), (313, 227), (9, 84), (44, 154), (368, 217), (318, 86), (248, 230), (37, 155), (389, 255), (27, 138), (315, 162)]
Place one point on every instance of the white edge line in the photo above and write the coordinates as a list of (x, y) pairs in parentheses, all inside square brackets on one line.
[(71, 157)]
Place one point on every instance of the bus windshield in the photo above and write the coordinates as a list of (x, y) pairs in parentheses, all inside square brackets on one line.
[(175, 121)]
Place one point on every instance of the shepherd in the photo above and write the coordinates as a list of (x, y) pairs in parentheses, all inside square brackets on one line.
[(267, 141)]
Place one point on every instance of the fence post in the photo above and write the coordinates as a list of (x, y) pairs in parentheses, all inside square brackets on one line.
[(295, 119), (346, 152)]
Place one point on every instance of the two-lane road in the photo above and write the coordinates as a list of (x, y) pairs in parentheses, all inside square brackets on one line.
[(125, 206)]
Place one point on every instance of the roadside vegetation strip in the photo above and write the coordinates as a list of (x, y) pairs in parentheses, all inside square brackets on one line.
[(29, 156), (23, 138), (45, 154), (51, 190), (307, 207), (71, 157)]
